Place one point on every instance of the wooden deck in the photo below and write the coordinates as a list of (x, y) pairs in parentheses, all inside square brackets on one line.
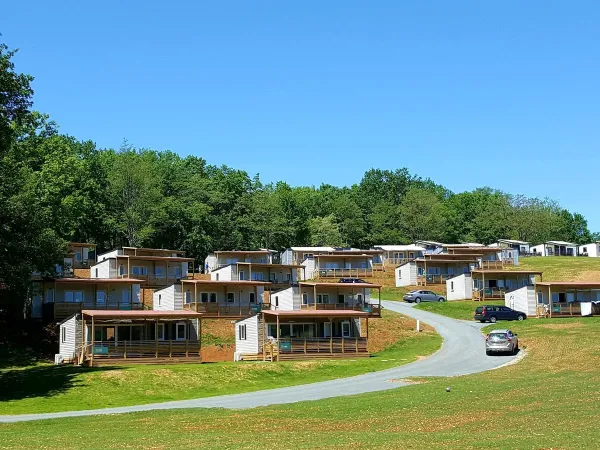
[(372, 309), (141, 352), (64, 310), (216, 310), (343, 273), (316, 348), (428, 280)]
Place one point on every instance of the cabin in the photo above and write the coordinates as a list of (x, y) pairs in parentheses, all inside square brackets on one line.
[(56, 299), (430, 247), (280, 276), (214, 299), (394, 255), (567, 298), (339, 264), (155, 267), (481, 285), (487, 257), (328, 296), (283, 335), (80, 255), (298, 255), (100, 337), (591, 250), (554, 248), (433, 269), (224, 258), (523, 247)]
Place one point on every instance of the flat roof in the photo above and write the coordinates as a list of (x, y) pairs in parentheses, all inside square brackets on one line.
[(154, 249), (399, 248), (155, 258), (247, 252), (312, 249), (100, 280), (229, 282), (360, 285), (513, 241), (557, 243), (316, 313), (140, 314), (344, 255), (445, 260), (289, 266), (508, 271), (574, 284)]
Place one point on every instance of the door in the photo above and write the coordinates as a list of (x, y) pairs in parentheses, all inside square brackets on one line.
[(327, 329), (341, 299), (346, 329), (180, 331)]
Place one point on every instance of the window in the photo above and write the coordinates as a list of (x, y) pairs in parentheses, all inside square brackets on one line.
[(121, 269), (63, 335), (159, 299), (241, 276), (305, 298), (252, 299), (50, 296), (289, 277), (126, 296), (213, 297), (345, 329), (177, 272), (242, 332), (100, 297), (161, 332), (230, 297), (341, 298), (140, 270), (411, 255), (74, 296), (204, 297), (188, 297), (276, 301), (322, 298), (78, 256), (96, 272), (180, 332), (452, 286), (359, 297)]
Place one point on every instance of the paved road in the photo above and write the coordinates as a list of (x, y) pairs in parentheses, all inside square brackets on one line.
[(461, 353)]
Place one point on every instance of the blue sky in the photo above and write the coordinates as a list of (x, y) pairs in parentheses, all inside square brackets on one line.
[(469, 94)]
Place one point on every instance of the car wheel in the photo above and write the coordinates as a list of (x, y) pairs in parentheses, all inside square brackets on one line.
[(418, 300), (441, 299), (487, 352), (520, 317), (515, 350), (493, 319)]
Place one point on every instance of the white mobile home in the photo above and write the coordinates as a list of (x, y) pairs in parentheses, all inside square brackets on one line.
[(591, 250), (394, 255), (278, 275), (298, 255), (459, 287), (523, 247), (554, 248), (227, 257)]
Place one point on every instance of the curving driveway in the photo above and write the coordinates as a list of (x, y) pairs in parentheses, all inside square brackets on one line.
[(461, 353)]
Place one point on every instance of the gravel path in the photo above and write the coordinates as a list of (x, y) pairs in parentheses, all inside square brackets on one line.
[(462, 353)]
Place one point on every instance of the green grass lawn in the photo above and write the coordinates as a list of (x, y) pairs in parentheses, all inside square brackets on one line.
[(463, 309), (562, 268), (47, 388), (548, 400)]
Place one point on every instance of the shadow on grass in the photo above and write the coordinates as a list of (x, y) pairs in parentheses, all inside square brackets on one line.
[(46, 381)]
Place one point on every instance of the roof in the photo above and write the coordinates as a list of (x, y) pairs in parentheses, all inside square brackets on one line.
[(100, 280), (439, 244), (154, 258), (247, 252), (154, 249), (466, 244), (359, 285), (315, 313), (313, 249), (288, 266), (229, 282), (499, 271), (437, 260), (344, 255), (140, 314), (573, 284), (513, 241), (399, 248), (559, 243)]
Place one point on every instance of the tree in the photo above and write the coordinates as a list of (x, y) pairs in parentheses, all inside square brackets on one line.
[(422, 215), (324, 231)]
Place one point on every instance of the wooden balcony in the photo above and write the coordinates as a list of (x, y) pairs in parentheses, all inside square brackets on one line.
[(157, 280), (426, 280), (311, 348), (215, 310), (343, 273), (372, 309), (142, 351), (62, 310), (489, 294)]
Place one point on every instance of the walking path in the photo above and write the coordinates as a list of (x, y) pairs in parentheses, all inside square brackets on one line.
[(462, 353)]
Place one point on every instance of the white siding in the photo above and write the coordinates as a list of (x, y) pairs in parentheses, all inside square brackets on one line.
[(250, 345), (222, 274), (108, 255), (406, 274), (287, 299), (592, 250), (210, 263), (309, 268), (523, 300), (104, 269), (459, 288), (166, 297), (68, 346), (287, 257)]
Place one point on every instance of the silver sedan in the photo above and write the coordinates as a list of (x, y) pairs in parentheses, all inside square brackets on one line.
[(423, 296), (504, 341)]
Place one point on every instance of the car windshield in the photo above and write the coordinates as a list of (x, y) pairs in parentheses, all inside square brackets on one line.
[(497, 336)]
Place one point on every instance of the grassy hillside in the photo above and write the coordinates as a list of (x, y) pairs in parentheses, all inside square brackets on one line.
[(47, 388), (563, 268), (547, 400)]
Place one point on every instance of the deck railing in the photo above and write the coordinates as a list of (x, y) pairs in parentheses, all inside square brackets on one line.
[(343, 272), (64, 309), (220, 310), (143, 349), (321, 345), (157, 280), (372, 309), (435, 279), (490, 293)]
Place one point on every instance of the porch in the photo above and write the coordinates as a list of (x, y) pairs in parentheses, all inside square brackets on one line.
[(496, 264), (493, 284), (149, 279), (340, 297), (215, 310), (63, 310), (427, 280), (344, 272), (567, 299)]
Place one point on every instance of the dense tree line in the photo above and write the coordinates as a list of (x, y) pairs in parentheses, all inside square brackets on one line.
[(55, 188)]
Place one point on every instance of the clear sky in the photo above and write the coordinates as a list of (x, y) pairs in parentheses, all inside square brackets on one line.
[(478, 93)]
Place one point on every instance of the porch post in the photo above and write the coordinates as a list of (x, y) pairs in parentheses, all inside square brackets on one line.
[(425, 262), (240, 301), (379, 300), (367, 326), (278, 345), (128, 272), (330, 335), (550, 300), (199, 328), (315, 295), (195, 297), (264, 336), (483, 282), (84, 343), (249, 272), (93, 336)]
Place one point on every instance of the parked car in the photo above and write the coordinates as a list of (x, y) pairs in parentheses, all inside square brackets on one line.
[(423, 296), (351, 280), (493, 313), (501, 341)]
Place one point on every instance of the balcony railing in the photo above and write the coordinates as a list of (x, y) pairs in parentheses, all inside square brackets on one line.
[(423, 280), (132, 349), (373, 310), (496, 264), (157, 280), (489, 293), (64, 309), (221, 310), (343, 272)]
